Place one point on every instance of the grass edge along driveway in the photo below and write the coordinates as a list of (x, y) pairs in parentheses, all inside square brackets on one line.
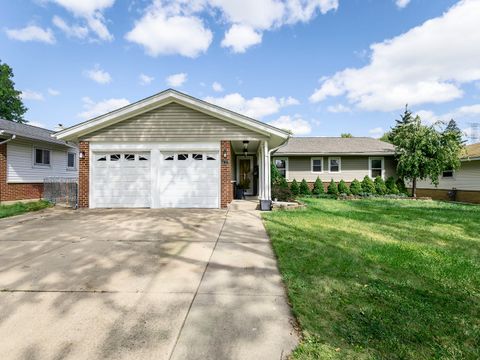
[(22, 207), (381, 279)]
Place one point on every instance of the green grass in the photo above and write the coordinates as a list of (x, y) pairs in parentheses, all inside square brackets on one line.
[(382, 279), (20, 208)]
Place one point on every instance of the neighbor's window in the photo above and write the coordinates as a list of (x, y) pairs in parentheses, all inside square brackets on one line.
[(281, 165), (317, 165), (376, 167), (447, 174), (71, 160), (334, 165), (42, 157)]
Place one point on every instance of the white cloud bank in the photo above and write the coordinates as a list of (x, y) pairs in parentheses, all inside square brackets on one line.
[(376, 132), (427, 64), (98, 75), (32, 33), (32, 95), (296, 125), (76, 31), (176, 80), (402, 3), (240, 37), (217, 87), (93, 109), (53, 92)]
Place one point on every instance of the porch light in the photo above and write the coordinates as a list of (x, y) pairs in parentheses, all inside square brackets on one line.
[(224, 153), (245, 147), (81, 154)]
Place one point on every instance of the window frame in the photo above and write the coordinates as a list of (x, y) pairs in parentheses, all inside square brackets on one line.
[(284, 158), (311, 164), (42, 165), (330, 158), (74, 167), (448, 177), (370, 159)]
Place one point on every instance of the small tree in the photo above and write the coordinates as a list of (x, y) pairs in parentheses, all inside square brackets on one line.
[(355, 187), (294, 188), (303, 188), (11, 105), (391, 186), (332, 188), (380, 187), (343, 188), (346, 135), (368, 187), (318, 187)]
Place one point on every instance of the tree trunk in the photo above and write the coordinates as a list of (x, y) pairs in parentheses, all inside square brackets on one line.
[(414, 187)]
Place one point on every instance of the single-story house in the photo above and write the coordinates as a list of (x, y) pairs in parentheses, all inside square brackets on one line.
[(465, 181), (334, 158), (172, 150), (29, 154)]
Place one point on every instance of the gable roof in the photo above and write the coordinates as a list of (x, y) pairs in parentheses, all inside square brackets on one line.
[(472, 152), (335, 146), (161, 99), (29, 132)]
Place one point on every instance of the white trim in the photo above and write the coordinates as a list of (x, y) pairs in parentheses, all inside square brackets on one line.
[(339, 164), (286, 164), (311, 164), (237, 175), (382, 159)]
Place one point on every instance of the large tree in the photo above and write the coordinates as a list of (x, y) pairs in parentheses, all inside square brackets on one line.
[(422, 151), (11, 105)]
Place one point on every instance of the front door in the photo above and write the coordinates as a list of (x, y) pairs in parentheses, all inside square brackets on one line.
[(245, 173)]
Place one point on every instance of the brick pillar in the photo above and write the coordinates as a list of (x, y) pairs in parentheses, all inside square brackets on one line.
[(84, 175), (226, 195), (3, 172)]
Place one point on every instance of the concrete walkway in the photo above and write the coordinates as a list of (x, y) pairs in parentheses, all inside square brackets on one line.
[(141, 284)]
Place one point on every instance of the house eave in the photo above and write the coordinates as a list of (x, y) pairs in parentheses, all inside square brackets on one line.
[(335, 154)]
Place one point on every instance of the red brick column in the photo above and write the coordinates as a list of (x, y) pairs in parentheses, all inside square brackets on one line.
[(3, 171), (226, 193), (84, 175)]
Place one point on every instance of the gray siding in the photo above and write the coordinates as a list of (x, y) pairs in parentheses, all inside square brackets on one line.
[(20, 166), (352, 167), (465, 178), (172, 122)]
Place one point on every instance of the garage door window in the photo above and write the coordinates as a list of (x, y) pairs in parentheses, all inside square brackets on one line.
[(197, 156), (182, 156), (129, 157), (210, 157), (114, 157), (102, 158), (168, 157), (142, 158)]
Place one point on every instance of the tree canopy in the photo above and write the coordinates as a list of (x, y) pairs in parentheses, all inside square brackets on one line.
[(11, 105), (346, 135)]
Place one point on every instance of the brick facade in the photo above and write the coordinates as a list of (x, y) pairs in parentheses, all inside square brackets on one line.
[(441, 194), (226, 188), (83, 174), (17, 191)]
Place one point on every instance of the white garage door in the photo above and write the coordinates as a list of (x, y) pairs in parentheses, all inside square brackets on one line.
[(188, 179), (121, 179)]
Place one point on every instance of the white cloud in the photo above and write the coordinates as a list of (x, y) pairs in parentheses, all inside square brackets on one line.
[(91, 11), (164, 33), (339, 108), (98, 75), (77, 31), (256, 107), (296, 124), (32, 33), (458, 114), (32, 95), (402, 3), (217, 87), (240, 37), (414, 67), (145, 79), (427, 117), (93, 109), (176, 80), (53, 92), (376, 132)]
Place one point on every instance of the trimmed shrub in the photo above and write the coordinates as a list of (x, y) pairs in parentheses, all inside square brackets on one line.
[(282, 183), (318, 187), (343, 188), (368, 187), (294, 188), (303, 188), (275, 174), (391, 186), (281, 193), (355, 187), (332, 188), (380, 187), (402, 189)]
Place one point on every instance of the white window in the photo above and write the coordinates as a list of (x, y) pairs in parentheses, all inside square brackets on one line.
[(317, 164), (129, 157), (448, 174), (376, 165), (42, 157), (71, 161), (282, 164), (334, 165)]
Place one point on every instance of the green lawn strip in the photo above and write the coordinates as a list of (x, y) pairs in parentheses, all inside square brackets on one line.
[(382, 279), (20, 208)]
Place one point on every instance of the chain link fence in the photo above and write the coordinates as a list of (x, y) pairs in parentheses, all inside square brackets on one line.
[(59, 190)]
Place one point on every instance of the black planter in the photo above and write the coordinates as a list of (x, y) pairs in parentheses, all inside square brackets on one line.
[(239, 194)]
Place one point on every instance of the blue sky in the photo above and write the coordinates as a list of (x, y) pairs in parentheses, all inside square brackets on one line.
[(317, 67)]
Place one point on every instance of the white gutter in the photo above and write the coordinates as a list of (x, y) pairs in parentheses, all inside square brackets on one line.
[(6, 141)]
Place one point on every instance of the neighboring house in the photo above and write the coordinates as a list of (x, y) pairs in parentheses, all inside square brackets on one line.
[(29, 154), (334, 158), (465, 180), (171, 150)]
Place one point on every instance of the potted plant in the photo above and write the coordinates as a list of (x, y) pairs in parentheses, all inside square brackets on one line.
[(243, 185)]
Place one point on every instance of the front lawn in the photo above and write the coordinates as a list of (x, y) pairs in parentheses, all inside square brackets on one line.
[(382, 279), (20, 208)]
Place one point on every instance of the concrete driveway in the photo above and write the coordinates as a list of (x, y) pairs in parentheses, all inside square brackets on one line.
[(141, 284)]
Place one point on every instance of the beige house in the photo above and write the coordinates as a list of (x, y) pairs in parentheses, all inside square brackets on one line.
[(335, 158), (465, 182)]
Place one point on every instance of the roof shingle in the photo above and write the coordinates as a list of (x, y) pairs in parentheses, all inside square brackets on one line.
[(29, 132)]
